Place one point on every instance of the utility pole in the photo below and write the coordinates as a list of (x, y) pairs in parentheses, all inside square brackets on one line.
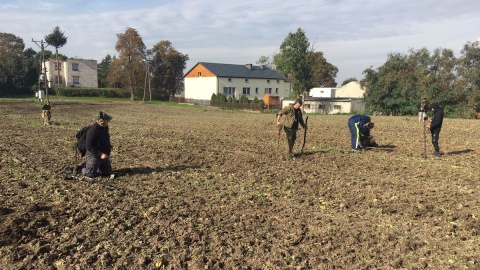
[(43, 67)]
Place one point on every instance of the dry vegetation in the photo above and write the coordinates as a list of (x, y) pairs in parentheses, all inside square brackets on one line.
[(202, 188)]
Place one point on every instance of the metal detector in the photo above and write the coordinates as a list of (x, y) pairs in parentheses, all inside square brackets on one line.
[(424, 138)]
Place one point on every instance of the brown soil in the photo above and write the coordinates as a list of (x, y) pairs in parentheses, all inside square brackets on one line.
[(203, 188)]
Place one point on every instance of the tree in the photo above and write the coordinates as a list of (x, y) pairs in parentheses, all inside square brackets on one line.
[(167, 68), (265, 61), (469, 73), (351, 79), (294, 63), (12, 61), (129, 64), (103, 70), (323, 73), (56, 39)]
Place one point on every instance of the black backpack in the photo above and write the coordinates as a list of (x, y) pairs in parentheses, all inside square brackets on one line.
[(81, 144)]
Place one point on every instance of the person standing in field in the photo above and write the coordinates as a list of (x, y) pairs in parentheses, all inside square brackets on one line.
[(46, 113), (355, 124), (98, 148), (292, 118), (435, 126), (422, 110)]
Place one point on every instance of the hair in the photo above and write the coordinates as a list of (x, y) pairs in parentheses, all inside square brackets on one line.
[(299, 101)]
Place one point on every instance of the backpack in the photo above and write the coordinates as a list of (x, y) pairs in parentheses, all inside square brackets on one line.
[(81, 144)]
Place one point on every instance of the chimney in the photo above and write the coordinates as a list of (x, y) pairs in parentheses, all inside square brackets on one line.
[(249, 66)]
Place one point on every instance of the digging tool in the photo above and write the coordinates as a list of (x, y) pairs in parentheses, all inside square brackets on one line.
[(279, 127), (305, 134)]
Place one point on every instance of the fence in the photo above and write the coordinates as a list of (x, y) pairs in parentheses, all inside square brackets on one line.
[(260, 106)]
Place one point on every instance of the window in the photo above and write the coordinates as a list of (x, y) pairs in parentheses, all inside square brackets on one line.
[(268, 81), (268, 90), (320, 106), (75, 66), (58, 66), (76, 80), (307, 106), (199, 74), (278, 81), (337, 107), (246, 80), (229, 79), (256, 90), (229, 91), (276, 90), (58, 80), (246, 90)]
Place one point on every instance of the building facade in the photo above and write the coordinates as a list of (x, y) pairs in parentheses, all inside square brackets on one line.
[(206, 79), (73, 73)]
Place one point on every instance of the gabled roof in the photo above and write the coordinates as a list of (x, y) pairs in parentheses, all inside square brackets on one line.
[(241, 71)]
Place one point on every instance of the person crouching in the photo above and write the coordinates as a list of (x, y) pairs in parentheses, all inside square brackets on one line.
[(98, 148)]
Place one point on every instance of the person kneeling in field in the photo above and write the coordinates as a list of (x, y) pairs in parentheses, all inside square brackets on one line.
[(46, 113), (355, 124), (98, 148)]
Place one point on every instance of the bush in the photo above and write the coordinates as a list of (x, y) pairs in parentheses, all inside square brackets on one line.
[(92, 92)]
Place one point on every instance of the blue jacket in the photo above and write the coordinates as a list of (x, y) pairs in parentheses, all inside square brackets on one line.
[(360, 119)]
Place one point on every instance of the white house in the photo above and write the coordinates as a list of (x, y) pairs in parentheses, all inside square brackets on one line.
[(205, 79), (346, 99), (73, 72), (322, 92)]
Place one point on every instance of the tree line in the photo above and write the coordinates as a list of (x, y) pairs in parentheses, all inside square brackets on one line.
[(135, 69), (397, 86)]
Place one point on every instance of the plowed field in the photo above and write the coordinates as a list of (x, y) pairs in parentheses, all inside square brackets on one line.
[(204, 188)]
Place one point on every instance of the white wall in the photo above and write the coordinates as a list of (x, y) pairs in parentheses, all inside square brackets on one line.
[(326, 92), (200, 87)]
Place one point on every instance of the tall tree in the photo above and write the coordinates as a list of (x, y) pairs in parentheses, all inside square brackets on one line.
[(56, 39), (167, 68), (130, 60), (323, 72), (12, 72), (469, 73), (293, 61), (103, 70)]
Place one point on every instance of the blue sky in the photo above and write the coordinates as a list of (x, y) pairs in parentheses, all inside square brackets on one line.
[(353, 34)]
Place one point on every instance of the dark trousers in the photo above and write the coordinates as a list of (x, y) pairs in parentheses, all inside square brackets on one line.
[(354, 140), (291, 138), (435, 137), (95, 165)]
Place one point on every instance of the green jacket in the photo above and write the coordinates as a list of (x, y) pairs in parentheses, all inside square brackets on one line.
[(288, 117)]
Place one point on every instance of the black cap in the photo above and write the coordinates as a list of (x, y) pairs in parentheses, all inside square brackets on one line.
[(104, 116), (299, 101), (435, 106)]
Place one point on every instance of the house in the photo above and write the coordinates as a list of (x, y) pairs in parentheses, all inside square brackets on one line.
[(346, 99), (322, 92), (73, 73), (206, 79)]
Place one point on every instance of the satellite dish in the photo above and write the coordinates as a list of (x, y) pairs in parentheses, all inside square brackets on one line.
[(42, 77)]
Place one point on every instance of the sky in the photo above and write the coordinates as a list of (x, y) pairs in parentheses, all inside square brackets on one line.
[(353, 34)]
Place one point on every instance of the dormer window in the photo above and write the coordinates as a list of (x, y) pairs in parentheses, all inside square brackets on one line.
[(199, 74)]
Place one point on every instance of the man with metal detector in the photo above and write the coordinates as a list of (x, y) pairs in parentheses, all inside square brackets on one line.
[(46, 113), (355, 124), (435, 127), (293, 117)]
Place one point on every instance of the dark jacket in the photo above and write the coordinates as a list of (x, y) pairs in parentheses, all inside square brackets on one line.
[(98, 140), (288, 116), (360, 119), (437, 119)]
